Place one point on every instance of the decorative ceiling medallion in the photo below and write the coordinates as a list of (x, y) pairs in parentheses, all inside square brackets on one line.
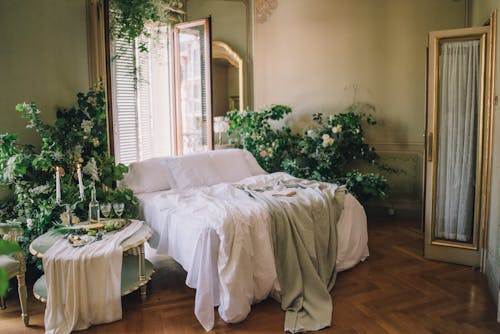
[(264, 9)]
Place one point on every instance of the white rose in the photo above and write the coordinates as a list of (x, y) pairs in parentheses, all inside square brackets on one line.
[(311, 133), (337, 129), (29, 223)]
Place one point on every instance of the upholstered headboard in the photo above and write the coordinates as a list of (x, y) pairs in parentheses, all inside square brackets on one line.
[(199, 169)]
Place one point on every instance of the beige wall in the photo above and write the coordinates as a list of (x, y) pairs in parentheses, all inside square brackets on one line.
[(43, 58), (481, 11), (314, 55)]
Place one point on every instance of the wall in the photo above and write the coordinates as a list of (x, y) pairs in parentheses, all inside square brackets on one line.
[(481, 11), (321, 55), (43, 58)]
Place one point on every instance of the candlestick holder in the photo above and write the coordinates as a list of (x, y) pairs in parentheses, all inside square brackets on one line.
[(67, 215)]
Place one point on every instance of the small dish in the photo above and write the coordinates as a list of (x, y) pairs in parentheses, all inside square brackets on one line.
[(80, 240)]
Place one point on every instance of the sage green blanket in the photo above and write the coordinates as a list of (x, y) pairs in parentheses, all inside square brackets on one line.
[(303, 229)]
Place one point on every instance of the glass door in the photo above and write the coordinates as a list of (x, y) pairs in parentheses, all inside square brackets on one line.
[(192, 66), (456, 144)]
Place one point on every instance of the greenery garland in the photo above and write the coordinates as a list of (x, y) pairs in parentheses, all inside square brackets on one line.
[(79, 136), (328, 151), (128, 18)]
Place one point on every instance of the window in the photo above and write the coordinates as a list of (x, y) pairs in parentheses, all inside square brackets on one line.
[(142, 101)]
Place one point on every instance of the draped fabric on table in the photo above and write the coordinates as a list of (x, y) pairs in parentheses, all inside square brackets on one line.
[(457, 139)]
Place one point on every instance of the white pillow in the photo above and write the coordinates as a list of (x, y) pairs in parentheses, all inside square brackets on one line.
[(232, 164), (149, 175), (193, 170), (253, 165)]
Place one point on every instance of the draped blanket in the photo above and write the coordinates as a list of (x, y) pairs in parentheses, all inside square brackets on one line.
[(303, 230), (84, 284)]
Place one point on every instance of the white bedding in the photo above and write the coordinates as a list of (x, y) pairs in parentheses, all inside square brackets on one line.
[(220, 237)]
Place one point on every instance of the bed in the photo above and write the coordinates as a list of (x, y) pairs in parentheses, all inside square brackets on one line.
[(206, 219)]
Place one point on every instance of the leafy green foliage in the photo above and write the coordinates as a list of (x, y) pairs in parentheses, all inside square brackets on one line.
[(325, 152), (129, 17), (78, 137), (6, 248)]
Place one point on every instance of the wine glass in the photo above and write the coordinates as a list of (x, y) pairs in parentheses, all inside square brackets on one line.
[(105, 209), (118, 208)]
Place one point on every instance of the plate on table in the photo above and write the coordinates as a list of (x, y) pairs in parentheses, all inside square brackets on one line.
[(80, 240)]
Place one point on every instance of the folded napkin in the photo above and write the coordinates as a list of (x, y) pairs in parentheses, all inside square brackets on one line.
[(83, 284)]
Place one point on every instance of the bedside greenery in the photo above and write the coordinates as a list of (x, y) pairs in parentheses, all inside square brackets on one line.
[(6, 248), (79, 136), (326, 152)]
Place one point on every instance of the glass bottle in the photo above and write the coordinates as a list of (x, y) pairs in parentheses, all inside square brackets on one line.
[(93, 208)]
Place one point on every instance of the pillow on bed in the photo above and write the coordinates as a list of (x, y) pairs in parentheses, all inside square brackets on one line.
[(232, 164), (193, 170), (149, 175), (254, 166)]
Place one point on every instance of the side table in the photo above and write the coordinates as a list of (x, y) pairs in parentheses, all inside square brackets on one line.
[(136, 270)]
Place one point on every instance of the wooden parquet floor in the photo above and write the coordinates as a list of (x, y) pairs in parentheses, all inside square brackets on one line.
[(394, 291)]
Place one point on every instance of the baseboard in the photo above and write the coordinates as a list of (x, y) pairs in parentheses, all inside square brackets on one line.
[(399, 208), (493, 276)]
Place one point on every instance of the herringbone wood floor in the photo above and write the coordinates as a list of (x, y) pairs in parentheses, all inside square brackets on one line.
[(394, 291)]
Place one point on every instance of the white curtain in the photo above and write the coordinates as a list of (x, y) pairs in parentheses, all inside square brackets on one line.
[(457, 139)]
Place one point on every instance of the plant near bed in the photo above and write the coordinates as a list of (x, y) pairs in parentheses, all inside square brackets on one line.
[(79, 136), (327, 151)]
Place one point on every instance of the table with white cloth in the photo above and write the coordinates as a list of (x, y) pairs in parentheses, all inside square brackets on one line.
[(136, 270)]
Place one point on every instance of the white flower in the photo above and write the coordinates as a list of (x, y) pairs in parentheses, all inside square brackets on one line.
[(357, 131), (29, 223), (43, 189), (327, 140), (91, 169), (87, 125), (337, 129), (96, 142), (311, 133)]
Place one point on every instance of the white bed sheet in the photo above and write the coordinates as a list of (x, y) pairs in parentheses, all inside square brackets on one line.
[(188, 226)]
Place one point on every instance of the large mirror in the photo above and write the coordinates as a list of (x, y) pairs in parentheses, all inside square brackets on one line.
[(227, 76)]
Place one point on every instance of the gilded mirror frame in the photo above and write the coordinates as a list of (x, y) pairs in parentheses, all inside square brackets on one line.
[(221, 50)]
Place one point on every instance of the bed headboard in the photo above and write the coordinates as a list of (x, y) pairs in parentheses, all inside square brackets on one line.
[(199, 169)]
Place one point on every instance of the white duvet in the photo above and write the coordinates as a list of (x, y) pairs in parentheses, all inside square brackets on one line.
[(220, 237)]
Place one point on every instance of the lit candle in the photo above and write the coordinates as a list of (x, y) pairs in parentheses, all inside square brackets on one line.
[(58, 186), (80, 181)]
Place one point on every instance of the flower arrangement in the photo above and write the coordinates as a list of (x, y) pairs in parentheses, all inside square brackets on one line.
[(327, 151), (78, 138)]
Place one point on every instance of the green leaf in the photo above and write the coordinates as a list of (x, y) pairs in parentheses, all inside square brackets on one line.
[(8, 247), (4, 282)]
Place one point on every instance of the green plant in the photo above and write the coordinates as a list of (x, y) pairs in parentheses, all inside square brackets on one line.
[(79, 136), (128, 18), (253, 131), (6, 248), (325, 152)]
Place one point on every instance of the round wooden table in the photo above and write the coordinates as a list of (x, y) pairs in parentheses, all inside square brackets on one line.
[(136, 270)]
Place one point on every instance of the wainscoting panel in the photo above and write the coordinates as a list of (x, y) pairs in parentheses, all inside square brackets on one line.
[(407, 185)]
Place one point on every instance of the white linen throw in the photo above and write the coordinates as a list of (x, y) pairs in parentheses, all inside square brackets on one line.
[(83, 284)]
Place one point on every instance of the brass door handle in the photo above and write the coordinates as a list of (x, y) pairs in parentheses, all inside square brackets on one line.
[(430, 146)]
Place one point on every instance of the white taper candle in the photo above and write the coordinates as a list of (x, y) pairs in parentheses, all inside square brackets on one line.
[(58, 186), (80, 181)]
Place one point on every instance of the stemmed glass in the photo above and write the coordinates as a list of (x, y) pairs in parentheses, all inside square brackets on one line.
[(118, 208), (106, 209)]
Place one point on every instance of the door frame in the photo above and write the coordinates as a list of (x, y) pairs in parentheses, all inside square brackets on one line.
[(457, 252)]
